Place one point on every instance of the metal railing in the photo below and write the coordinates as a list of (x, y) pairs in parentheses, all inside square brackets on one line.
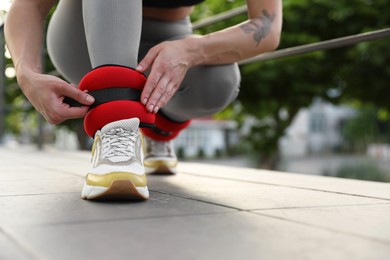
[(219, 17), (324, 45)]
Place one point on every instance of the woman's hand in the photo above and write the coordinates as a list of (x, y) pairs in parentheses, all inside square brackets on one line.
[(169, 62), (46, 93)]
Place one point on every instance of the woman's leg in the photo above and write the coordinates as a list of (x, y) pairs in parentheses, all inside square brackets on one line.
[(66, 42), (204, 91), (113, 31), (109, 34), (86, 34)]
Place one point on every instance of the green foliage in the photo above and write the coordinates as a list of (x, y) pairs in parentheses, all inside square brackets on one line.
[(181, 153), (371, 125), (209, 8), (201, 154), (273, 91), (16, 104), (19, 108), (361, 171)]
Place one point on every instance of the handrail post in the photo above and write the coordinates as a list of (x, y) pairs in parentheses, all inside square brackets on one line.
[(2, 84)]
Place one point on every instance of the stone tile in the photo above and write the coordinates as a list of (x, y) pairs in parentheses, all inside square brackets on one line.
[(370, 221), (188, 215), (247, 195), (70, 208), (40, 186), (74, 163), (32, 174), (11, 250), (331, 184), (216, 236)]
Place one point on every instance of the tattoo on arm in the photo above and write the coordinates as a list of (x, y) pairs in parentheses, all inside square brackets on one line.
[(260, 26)]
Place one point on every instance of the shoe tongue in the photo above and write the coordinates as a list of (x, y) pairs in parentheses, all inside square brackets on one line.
[(131, 124)]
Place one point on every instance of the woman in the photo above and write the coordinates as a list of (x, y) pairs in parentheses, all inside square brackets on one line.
[(100, 45)]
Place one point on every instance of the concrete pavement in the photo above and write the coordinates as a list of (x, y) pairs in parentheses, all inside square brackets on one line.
[(204, 212)]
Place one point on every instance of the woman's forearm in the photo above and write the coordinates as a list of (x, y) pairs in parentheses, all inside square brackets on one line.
[(259, 34), (24, 33)]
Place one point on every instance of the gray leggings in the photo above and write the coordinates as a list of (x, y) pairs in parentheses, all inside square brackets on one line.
[(86, 34)]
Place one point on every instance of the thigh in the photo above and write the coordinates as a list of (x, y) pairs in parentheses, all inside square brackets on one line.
[(155, 32), (66, 41), (205, 91)]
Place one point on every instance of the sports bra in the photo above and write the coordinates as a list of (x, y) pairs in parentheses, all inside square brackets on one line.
[(170, 3)]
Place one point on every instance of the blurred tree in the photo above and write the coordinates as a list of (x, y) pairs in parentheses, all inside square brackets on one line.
[(362, 171), (371, 125), (19, 107), (274, 91)]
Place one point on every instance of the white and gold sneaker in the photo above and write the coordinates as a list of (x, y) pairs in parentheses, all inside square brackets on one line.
[(160, 157), (117, 170)]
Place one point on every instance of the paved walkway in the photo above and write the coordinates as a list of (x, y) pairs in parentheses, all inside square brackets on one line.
[(204, 212)]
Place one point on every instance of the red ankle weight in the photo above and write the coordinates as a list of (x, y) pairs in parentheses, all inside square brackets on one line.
[(165, 129), (114, 77)]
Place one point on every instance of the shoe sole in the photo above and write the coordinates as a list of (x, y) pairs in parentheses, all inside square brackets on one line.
[(118, 190), (160, 170), (160, 167)]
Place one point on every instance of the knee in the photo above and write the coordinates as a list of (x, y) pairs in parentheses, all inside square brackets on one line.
[(221, 87), (206, 90)]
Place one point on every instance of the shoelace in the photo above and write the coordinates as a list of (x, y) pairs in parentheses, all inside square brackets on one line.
[(118, 142)]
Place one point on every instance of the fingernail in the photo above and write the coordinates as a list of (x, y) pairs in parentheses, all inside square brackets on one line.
[(155, 110), (151, 108), (145, 101), (90, 99), (139, 67)]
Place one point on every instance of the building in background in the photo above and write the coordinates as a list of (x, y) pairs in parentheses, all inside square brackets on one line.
[(207, 137), (317, 129)]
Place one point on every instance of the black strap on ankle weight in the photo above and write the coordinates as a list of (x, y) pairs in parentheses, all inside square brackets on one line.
[(108, 94)]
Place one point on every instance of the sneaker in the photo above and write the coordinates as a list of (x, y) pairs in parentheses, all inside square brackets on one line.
[(117, 170), (160, 157)]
